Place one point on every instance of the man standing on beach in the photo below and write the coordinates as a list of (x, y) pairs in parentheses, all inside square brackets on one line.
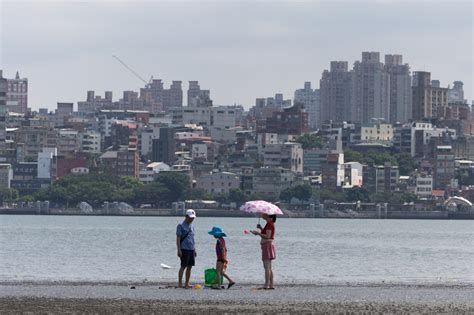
[(185, 245)]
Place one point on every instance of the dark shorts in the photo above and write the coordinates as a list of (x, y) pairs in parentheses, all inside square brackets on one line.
[(187, 258)]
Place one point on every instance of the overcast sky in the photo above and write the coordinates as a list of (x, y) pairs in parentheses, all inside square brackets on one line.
[(240, 50)]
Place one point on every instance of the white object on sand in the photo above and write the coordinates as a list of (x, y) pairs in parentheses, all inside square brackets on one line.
[(165, 266)]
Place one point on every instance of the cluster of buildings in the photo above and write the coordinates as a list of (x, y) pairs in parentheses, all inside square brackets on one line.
[(374, 106)]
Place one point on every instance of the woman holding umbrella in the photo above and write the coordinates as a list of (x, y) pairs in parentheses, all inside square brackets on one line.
[(267, 235), (268, 212)]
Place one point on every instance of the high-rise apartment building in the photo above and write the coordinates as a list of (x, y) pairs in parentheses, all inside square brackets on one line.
[(200, 99), (128, 163), (369, 89), (63, 111), (152, 94), (17, 94), (332, 171), (288, 121), (277, 101), (155, 96), (380, 178), (3, 116), (313, 160), (287, 155), (372, 90), (173, 97), (335, 93), (430, 100), (193, 92), (271, 181), (399, 89), (94, 103), (310, 99), (163, 148), (456, 93), (90, 142), (443, 166), (439, 102), (421, 94), (36, 139), (376, 133), (223, 117)]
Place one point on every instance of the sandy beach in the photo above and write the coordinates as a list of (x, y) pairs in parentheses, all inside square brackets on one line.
[(158, 298)]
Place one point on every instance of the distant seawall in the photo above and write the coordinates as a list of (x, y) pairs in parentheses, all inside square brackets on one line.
[(135, 212), (425, 215)]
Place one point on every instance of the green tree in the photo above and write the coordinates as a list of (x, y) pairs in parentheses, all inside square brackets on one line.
[(406, 164), (92, 188), (8, 195), (255, 196), (310, 141), (41, 194), (207, 196), (352, 156), (237, 196), (379, 158), (408, 197), (286, 194), (196, 194), (369, 157), (463, 178), (323, 195), (128, 182), (178, 185), (357, 194), (27, 198), (301, 192), (221, 197), (153, 193)]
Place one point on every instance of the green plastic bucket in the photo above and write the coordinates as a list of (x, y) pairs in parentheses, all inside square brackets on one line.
[(210, 277)]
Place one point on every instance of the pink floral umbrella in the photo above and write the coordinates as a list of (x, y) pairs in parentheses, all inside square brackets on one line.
[(260, 206)]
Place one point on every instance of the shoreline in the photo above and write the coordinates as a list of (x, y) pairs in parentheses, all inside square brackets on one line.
[(298, 285), (123, 298)]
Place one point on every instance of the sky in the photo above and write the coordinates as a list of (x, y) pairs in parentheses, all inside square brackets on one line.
[(240, 50)]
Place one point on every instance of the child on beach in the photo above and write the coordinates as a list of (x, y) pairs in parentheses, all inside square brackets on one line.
[(221, 252)]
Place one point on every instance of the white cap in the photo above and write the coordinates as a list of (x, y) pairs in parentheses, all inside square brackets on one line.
[(190, 213)]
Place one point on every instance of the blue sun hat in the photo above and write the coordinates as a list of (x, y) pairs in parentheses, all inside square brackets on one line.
[(217, 231)]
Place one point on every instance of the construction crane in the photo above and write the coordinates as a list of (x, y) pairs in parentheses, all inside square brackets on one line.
[(147, 84)]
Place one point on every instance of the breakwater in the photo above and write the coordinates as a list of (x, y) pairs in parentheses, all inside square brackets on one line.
[(376, 213)]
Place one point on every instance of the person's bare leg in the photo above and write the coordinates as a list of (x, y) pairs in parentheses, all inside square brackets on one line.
[(271, 274), (228, 277), (188, 276), (219, 268), (267, 273), (180, 277)]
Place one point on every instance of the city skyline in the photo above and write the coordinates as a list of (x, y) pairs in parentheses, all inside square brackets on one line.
[(278, 48)]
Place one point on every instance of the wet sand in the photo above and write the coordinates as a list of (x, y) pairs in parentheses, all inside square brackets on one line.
[(160, 298)]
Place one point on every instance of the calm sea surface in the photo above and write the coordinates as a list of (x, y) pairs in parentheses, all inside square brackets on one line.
[(80, 248)]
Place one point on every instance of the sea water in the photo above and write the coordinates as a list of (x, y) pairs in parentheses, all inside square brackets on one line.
[(319, 251)]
